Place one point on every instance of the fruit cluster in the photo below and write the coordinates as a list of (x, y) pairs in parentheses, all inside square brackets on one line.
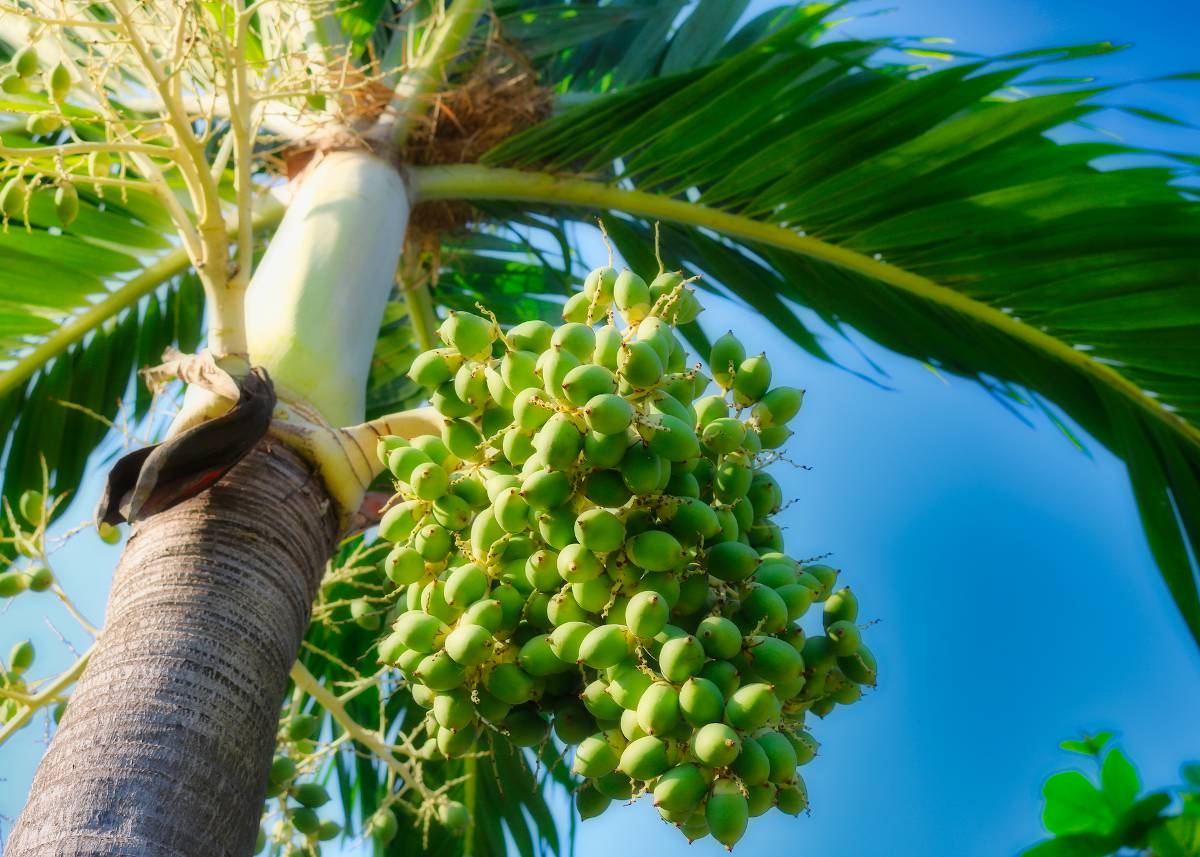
[(590, 543)]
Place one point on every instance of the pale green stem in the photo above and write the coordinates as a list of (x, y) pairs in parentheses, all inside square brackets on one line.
[(472, 182), (153, 276), (44, 696), (441, 46)]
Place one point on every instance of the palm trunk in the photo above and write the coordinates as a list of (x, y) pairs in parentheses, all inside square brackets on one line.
[(166, 743)]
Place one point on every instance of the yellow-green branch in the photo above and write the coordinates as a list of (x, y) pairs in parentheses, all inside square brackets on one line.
[(473, 182), (153, 276), (45, 696)]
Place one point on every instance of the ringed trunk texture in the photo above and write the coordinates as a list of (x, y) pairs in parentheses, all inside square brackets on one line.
[(167, 740)]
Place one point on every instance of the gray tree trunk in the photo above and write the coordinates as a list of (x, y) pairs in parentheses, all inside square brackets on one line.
[(167, 740)]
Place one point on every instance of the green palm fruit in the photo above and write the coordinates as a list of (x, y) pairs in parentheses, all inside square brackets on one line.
[(31, 506), (644, 759), (541, 571), (683, 485), (311, 795), (765, 495), (716, 745), (859, 667), (596, 756), (466, 585), (723, 435), (13, 84), (66, 203), (654, 550), (599, 701), (20, 658), (546, 489), (658, 709), (773, 437), (841, 606), (404, 460), (365, 615), (518, 371), (605, 646), (39, 578), (403, 565), (42, 124), (845, 638), (592, 594), (693, 594), (710, 409), (590, 803), (726, 356), (631, 730), (531, 409), (639, 364), (533, 336), (674, 439), (695, 828), (524, 725), (448, 403), (626, 684), (792, 799), (13, 197), (599, 530), (471, 335), (553, 366), (732, 562), (608, 413), (25, 61), (647, 614), (608, 344), (382, 826), (751, 707), (538, 659), (700, 702), (605, 450), (664, 404), (658, 334), (435, 367), (796, 598), (512, 510), (827, 577), (509, 683), (727, 812), (780, 754), (615, 785), (391, 649), (452, 512), (110, 535), (598, 285), (420, 631), (732, 478), (490, 708), (452, 743), (439, 672), (752, 766), (760, 798), (470, 386), (559, 442), (283, 770), (567, 638), (719, 636), (775, 573), (578, 309), (778, 406), (329, 830), (743, 512), (762, 608), (301, 727), (606, 488), (517, 445), (579, 339), (642, 470), (58, 83), (681, 658), (305, 820), (487, 613), (804, 744), (429, 481), (433, 542), (723, 674), (563, 608), (576, 564), (632, 297), (752, 380), (680, 789)]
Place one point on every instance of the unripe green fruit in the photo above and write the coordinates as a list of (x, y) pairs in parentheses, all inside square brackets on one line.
[(752, 380), (781, 756), (760, 798), (365, 615), (566, 640), (541, 571), (723, 674), (469, 645), (762, 608), (13, 197), (848, 694), (778, 406), (605, 450), (283, 770), (598, 286), (724, 434), (841, 606), (546, 489), (681, 658), (680, 789), (605, 646), (531, 336), (433, 542), (453, 743), (109, 534), (20, 658), (599, 530), (382, 826), (631, 730), (563, 608), (719, 636), (765, 495), (639, 364), (429, 481), (579, 339), (462, 438), (512, 510), (732, 478), (538, 659), (674, 439), (436, 367), (654, 550), (439, 672), (487, 613), (559, 442), (626, 685), (25, 61), (751, 707), (859, 667), (805, 745), (845, 638), (710, 409), (608, 413), (595, 756), (732, 561), (509, 683), (827, 576), (792, 799), (590, 803), (485, 532), (658, 709), (448, 403), (592, 595), (301, 727), (818, 653), (753, 766), (724, 359), (58, 83), (642, 469), (531, 409), (311, 795), (471, 335), (30, 505), (632, 297), (701, 702), (726, 812), (305, 820), (644, 759), (716, 745), (577, 564), (796, 598), (419, 631), (13, 84), (606, 488), (647, 614), (525, 726)]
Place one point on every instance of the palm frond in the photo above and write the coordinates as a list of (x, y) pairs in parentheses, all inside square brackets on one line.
[(930, 211)]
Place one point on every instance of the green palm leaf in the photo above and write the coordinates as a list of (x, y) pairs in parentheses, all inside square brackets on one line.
[(929, 211)]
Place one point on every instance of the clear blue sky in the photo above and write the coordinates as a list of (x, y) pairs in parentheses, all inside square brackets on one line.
[(1016, 600)]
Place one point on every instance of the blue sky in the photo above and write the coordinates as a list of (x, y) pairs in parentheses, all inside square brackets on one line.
[(1017, 602)]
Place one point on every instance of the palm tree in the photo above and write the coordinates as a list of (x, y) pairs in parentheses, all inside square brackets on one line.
[(394, 158)]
